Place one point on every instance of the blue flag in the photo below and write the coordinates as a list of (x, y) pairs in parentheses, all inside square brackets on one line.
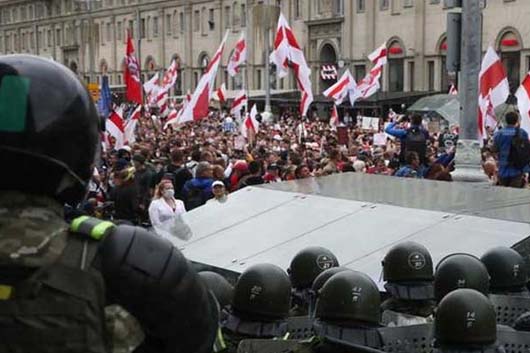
[(105, 98)]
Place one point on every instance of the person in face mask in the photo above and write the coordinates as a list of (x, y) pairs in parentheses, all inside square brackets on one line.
[(165, 208)]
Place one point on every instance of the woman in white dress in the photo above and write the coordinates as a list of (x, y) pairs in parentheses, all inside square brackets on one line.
[(164, 208)]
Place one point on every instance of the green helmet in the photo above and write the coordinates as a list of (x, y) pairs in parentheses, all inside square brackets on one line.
[(324, 276), (460, 271), (262, 292), (308, 264), (506, 267), (465, 317), (220, 287), (349, 296), (408, 262)]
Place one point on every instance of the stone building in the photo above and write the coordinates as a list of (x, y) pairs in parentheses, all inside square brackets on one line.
[(335, 35)]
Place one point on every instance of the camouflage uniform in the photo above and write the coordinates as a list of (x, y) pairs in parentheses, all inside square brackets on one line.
[(33, 234)]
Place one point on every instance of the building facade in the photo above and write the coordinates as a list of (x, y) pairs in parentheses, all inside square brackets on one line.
[(89, 36)]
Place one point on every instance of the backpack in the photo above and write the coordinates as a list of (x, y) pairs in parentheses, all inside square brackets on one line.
[(196, 197), (415, 141), (519, 156), (59, 307)]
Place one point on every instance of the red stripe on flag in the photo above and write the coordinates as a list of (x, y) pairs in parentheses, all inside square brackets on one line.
[(339, 87), (291, 39), (491, 78)]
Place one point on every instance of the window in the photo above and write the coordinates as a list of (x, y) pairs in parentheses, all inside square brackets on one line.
[(58, 38), (395, 75), (23, 41), (258, 79), (175, 23), (40, 40), (434, 2), (243, 15), (383, 5), (408, 3), (195, 79), (297, 12), (119, 34), (169, 26), (32, 40), (430, 76), (50, 40), (360, 72), (181, 21), (155, 27), (108, 32), (196, 21), (148, 26), (119, 79), (338, 7), (204, 21), (361, 5), (110, 3), (142, 28), (411, 76), (23, 13), (14, 14), (227, 16), (211, 19), (68, 6), (30, 12), (444, 76), (512, 62), (8, 42)]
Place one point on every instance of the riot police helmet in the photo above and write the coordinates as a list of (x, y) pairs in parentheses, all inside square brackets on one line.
[(349, 297), (49, 123), (308, 264), (324, 276), (262, 293), (460, 271), (220, 287), (506, 267), (465, 318), (408, 262)]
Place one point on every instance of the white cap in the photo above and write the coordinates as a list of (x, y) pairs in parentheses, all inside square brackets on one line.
[(218, 183)]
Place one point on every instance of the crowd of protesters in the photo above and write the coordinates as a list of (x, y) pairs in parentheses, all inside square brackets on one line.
[(168, 171)]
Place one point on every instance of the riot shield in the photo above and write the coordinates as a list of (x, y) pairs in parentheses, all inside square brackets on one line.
[(407, 339), (266, 346), (509, 308), (300, 327), (514, 341)]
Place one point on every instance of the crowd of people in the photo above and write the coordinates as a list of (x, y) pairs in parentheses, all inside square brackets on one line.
[(208, 159)]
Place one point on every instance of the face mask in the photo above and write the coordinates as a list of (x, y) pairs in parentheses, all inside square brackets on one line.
[(169, 193)]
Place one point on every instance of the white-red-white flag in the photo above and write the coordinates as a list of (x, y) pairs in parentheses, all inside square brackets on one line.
[(341, 88), (334, 118), (162, 102), (130, 125), (198, 106), (115, 127), (368, 86), (151, 85), (250, 124), (220, 93), (379, 56), (174, 114), (452, 90), (287, 52), (170, 76), (239, 102), (493, 88), (523, 103), (239, 56)]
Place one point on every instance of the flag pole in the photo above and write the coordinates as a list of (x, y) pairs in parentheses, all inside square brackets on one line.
[(247, 63), (139, 48)]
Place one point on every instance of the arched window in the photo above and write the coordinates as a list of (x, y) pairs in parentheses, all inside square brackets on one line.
[(395, 66), (328, 66), (510, 45)]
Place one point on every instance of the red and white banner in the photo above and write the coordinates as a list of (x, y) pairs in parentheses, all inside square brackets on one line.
[(115, 127), (220, 94), (493, 88), (170, 77), (198, 106), (239, 102), (130, 126), (523, 103), (250, 126), (132, 74), (379, 56), (162, 102), (452, 90), (238, 57), (328, 72), (341, 88), (287, 53), (174, 115), (151, 85)]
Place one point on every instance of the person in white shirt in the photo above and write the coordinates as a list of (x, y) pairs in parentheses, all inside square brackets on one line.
[(165, 208)]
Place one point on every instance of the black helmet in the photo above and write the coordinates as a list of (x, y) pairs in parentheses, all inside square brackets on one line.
[(408, 262), (460, 271), (49, 123), (307, 265), (263, 291), (324, 276), (506, 267), (349, 296), (465, 317), (220, 287)]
